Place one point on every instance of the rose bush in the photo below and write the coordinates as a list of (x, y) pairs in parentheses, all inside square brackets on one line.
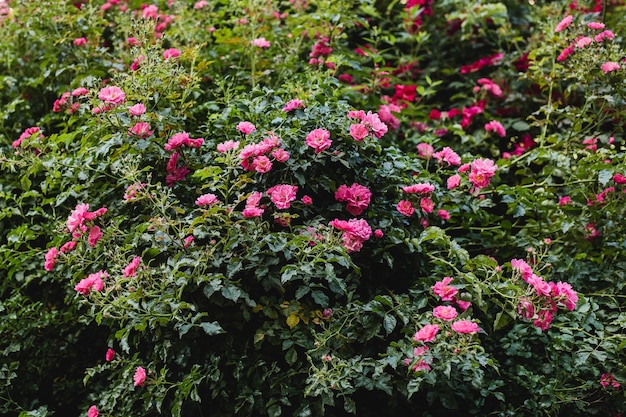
[(312, 208)]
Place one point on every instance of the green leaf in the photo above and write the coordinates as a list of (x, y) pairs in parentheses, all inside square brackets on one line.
[(212, 328), (604, 176), (389, 323)]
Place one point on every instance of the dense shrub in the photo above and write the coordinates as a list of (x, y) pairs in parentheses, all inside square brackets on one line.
[(312, 208)]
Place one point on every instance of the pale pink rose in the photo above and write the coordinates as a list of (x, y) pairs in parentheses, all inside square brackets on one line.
[(282, 195), (583, 41), (420, 188), (261, 164), (150, 12), (525, 309), (171, 53), (280, 154), (405, 207), (94, 236), (607, 34), (319, 140), (609, 66), (110, 355), (426, 333), (522, 267), (482, 170), (292, 105), (425, 150), (358, 131), (250, 211), (564, 23), (357, 196), (246, 127), (566, 295), (465, 326), (443, 290), (453, 181), (495, 126), (68, 246), (595, 25), (227, 146), (207, 200), (50, 258), (445, 312), (79, 92), (137, 110), (112, 95), (141, 130), (139, 379), (93, 411), (427, 205), (447, 155), (131, 269), (200, 4), (260, 43)]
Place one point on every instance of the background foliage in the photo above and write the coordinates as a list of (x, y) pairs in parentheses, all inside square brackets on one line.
[(314, 303)]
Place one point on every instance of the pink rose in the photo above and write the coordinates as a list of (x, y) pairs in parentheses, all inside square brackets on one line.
[(137, 110), (426, 333), (358, 131), (92, 412), (131, 269), (207, 200), (246, 127), (141, 130), (282, 195), (227, 146), (50, 258), (405, 207), (171, 53), (443, 290), (139, 378), (465, 326), (319, 140), (445, 312), (112, 95), (110, 355)]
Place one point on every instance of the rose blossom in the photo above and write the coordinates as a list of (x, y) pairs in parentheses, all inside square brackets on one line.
[(319, 140), (246, 127), (482, 170), (139, 378), (445, 312), (293, 105), (260, 43), (405, 207), (93, 282), (112, 95), (227, 146), (50, 258), (137, 110), (426, 333), (171, 53), (141, 130), (357, 196), (443, 290), (564, 23), (465, 326), (131, 269), (93, 411), (282, 195), (110, 355), (207, 200)]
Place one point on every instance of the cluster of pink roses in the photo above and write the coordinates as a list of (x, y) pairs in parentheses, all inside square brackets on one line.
[(354, 232), (422, 191), (583, 41), (357, 196), (79, 223), (31, 131), (66, 101), (369, 124), (446, 315), (254, 156), (541, 303)]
